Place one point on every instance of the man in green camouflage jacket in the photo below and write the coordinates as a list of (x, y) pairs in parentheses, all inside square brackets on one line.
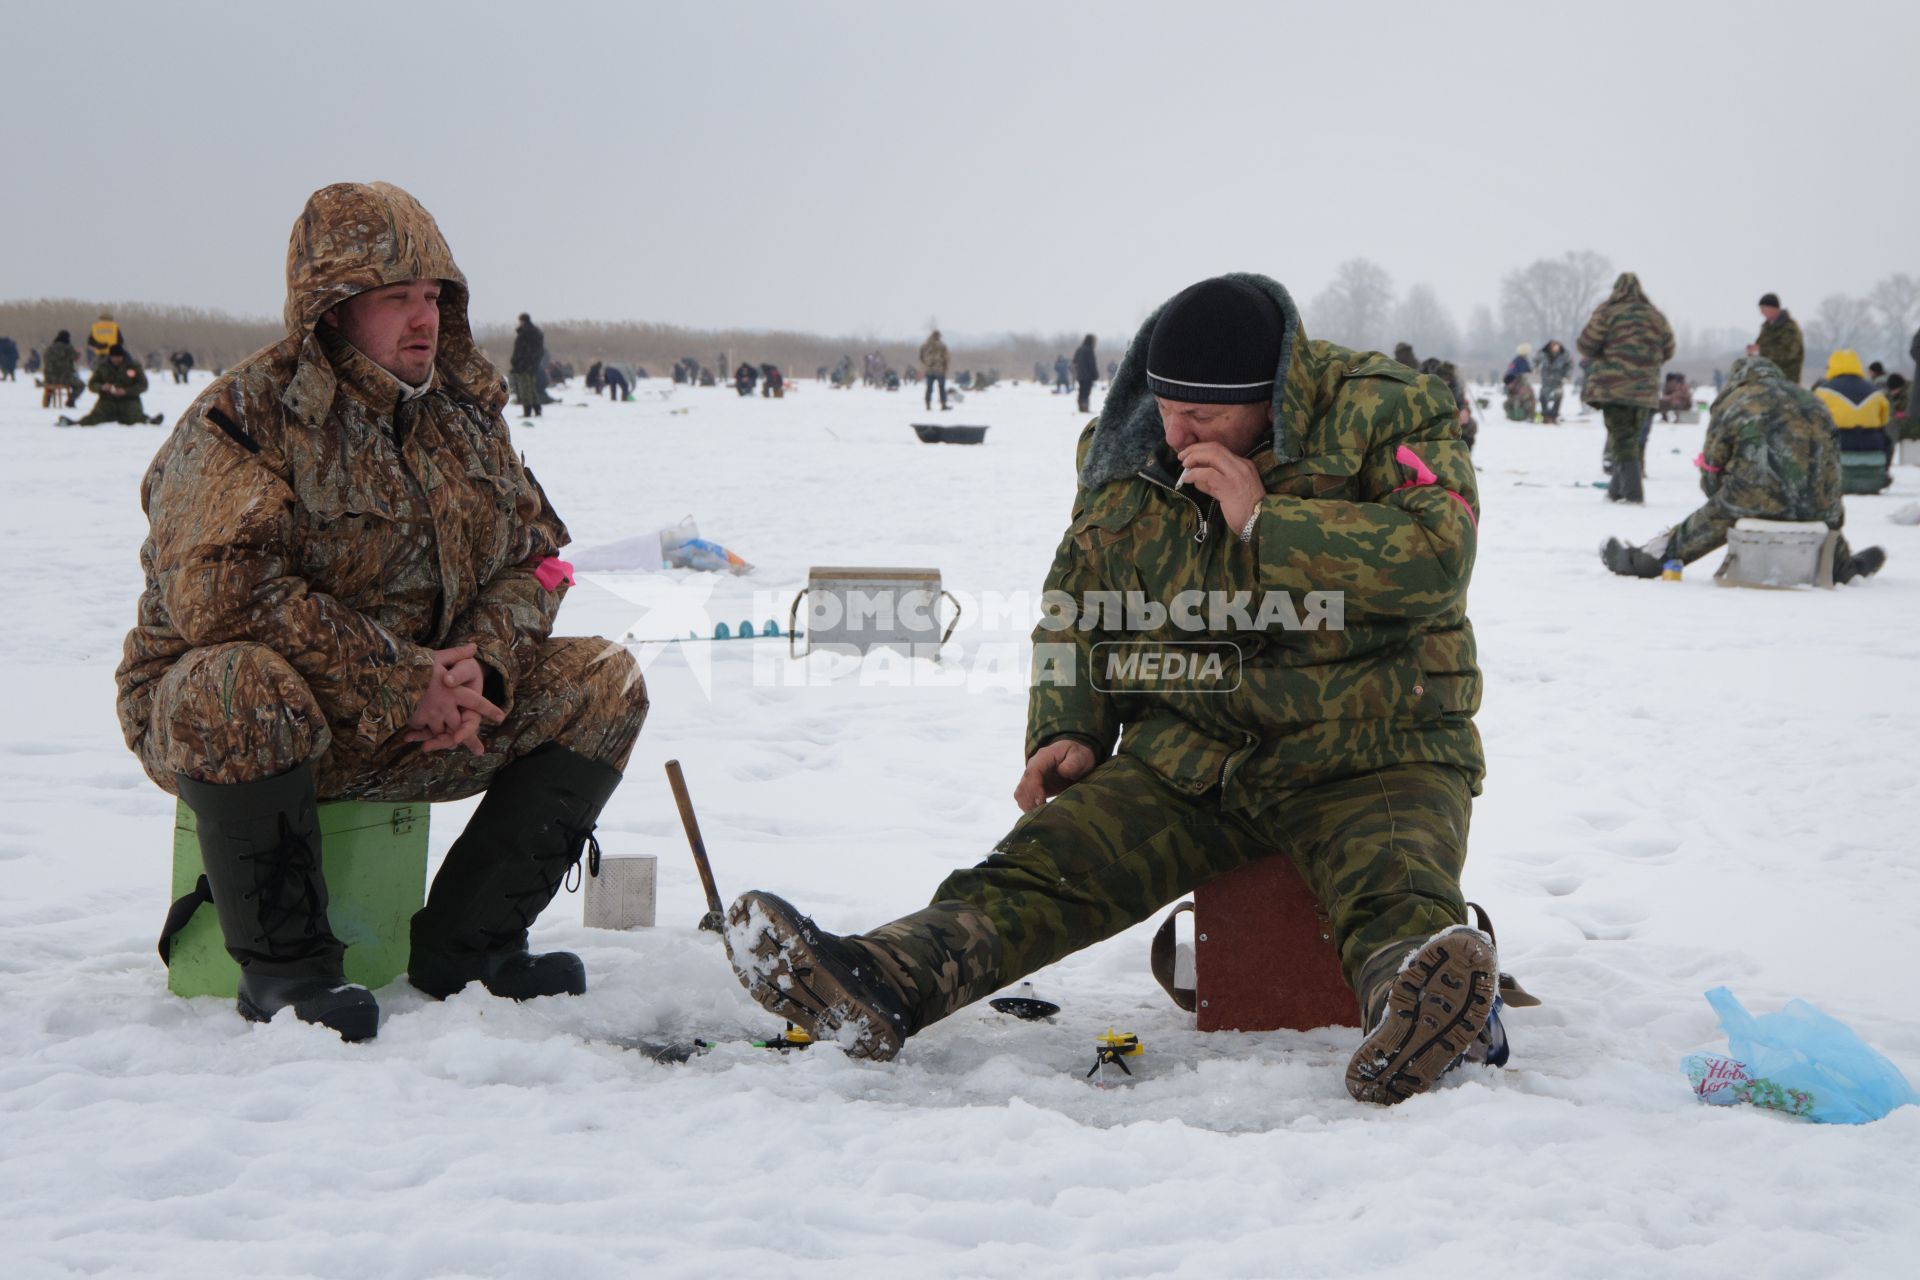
[(1305, 516), (1626, 341), (1770, 455), (1779, 338), (119, 382)]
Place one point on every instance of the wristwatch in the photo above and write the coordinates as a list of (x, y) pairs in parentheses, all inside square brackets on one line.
[(1246, 533)]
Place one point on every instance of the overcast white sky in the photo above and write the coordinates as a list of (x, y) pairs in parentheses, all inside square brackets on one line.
[(989, 166)]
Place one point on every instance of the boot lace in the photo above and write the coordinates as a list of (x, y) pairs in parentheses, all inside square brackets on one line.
[(288, 888), (554, 871)]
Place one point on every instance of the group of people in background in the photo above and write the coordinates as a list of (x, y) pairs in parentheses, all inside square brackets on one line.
[(1623, 349), (772, 383), (116, 377), (1448, 373), (1555, 367), (1626, 344), (1774, 450)]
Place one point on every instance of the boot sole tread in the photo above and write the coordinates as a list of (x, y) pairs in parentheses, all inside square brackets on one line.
[(1436, 1008), (813, 996)]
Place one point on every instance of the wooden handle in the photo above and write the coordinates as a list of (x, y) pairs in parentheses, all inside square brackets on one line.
[(678, 782)]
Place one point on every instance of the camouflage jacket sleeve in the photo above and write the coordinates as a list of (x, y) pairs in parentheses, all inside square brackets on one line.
[(224, 559), (1403, 548), (1717, 453), (1667, 347), (1827, 483), (1062, 702), (514, 613)]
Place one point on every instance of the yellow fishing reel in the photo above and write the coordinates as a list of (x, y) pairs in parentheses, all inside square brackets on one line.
[(792, 1038), (1115, 1047)]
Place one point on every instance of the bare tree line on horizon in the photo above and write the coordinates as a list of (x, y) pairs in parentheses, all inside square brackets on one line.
[(1359, 308), (1552, 298)]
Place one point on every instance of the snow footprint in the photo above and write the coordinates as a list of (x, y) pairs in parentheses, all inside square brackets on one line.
[(1604, 923), (1657, 849)]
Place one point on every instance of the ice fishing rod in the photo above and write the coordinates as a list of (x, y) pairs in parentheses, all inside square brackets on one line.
[(674, 1052), (715, 921)]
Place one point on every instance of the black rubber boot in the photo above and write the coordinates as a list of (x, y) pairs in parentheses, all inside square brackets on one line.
[(1629, 561), (260, 848), (1860, 564), (1626, 475), (523, 840)]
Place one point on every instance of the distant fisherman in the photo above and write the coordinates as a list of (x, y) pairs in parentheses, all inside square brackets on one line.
[(119, 382), (1770, 455)]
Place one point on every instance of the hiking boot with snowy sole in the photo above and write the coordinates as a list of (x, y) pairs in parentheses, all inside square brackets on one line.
[(821, 983), (1436, 1006)]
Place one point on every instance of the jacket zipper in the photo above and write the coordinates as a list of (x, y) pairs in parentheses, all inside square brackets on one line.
[(1201, 534)]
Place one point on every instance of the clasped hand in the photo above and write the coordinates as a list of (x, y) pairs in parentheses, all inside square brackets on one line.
[(451, 711)]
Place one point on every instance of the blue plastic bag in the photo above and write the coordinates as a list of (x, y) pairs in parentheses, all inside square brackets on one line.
[(1799, 1061)]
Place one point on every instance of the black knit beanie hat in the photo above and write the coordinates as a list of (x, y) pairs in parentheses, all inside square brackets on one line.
[(1769, 299), (1217, 342)]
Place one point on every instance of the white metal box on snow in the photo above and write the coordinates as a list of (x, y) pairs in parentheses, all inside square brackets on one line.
[(1778, 553), (852, 610), (620, 894)]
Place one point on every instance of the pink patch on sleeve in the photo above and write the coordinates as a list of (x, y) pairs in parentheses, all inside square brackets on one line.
[(1423, 475), (1700, 461), (551, 572)]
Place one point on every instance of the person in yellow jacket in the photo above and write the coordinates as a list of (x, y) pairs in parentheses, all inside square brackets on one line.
[(104, 336), (1860, 412)]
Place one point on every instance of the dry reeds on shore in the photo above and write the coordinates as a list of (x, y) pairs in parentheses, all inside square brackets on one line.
[(219, 340)]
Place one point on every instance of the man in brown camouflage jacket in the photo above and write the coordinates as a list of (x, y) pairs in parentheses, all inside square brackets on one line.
[(350, 581)]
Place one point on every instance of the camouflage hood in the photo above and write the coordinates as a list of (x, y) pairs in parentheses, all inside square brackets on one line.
[(1627, 289), (1130, 431), (1751, 371), (353, 237), (1625, 342)]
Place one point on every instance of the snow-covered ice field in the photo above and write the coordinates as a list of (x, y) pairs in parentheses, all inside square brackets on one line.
[(1687, 786)]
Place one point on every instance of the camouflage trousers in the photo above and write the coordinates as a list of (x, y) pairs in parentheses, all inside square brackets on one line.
[(125, 410), (1706, 530), (1625, 441), (239, 712), (1381, 851), (526, 389)]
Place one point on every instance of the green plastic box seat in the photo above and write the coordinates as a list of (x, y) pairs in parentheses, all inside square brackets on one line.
[(374, 855)]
